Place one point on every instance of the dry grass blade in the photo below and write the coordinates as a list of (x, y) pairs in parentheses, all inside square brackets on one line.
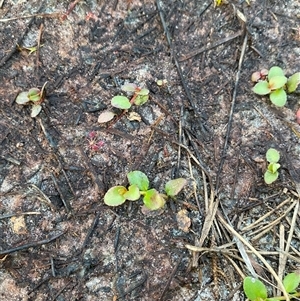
[(257, 222), (270, 225), (40, 196), (243, 253), (283, 256), (246, 243), (282, 261), (209, 219)]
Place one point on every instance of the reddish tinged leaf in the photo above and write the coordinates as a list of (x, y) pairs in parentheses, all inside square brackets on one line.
[(298, 116), (153, 200), (277, 82)]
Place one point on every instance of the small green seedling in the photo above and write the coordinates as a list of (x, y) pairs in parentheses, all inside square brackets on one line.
[(138, 95), (35, 97), (139, 186), (29, 49), (161, 82), (255, 290), (275, 83), (271, 173)]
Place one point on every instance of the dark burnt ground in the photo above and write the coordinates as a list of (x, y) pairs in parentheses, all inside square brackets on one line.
[(72, 246)]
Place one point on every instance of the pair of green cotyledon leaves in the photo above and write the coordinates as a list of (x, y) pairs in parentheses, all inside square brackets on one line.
[(271, 174), (35, 97), (139, 186), (277, 85), (255, 290)]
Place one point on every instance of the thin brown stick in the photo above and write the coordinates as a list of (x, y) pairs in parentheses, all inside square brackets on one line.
[(71, 8), (31, 244), (51, 15), (65, 201), (38, 50)]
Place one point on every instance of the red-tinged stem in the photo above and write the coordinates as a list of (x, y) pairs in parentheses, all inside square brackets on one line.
[(71, 8), (125, 111)]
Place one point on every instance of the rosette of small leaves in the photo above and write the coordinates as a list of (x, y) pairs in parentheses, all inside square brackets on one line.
[(275, 83), (255, 290), (139, 186), (35, 97), (138, 96), (271, 173)]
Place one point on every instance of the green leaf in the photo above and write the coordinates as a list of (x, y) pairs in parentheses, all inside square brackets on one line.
[(291, 282), (273, 167), (143, 92), (35, 110), (173, 187), (270, 177), (34, 94), (115, 196), (153, 200), (141, 99), (278, 97), (293, 82), (275, 71), (22, 98), (261, 88), (129, 87), (133, 193), (272, 155), (277, 82), (121, 102), (161, 82), (139, 179), (254, 289)]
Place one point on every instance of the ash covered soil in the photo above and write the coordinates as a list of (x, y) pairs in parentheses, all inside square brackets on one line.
[(58, 240)]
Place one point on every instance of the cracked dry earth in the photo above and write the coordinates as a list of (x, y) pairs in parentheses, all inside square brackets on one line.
[(58, 240)]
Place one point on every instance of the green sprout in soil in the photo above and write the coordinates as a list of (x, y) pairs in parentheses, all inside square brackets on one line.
[(255, 290), (275, 83), (271, 173), (35, 97), (138, 96), (161, 82), (139, 186)]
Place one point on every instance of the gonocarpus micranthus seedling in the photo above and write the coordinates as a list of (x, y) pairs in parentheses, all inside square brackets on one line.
[(35, 97), (275, 83), (139, 187)]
